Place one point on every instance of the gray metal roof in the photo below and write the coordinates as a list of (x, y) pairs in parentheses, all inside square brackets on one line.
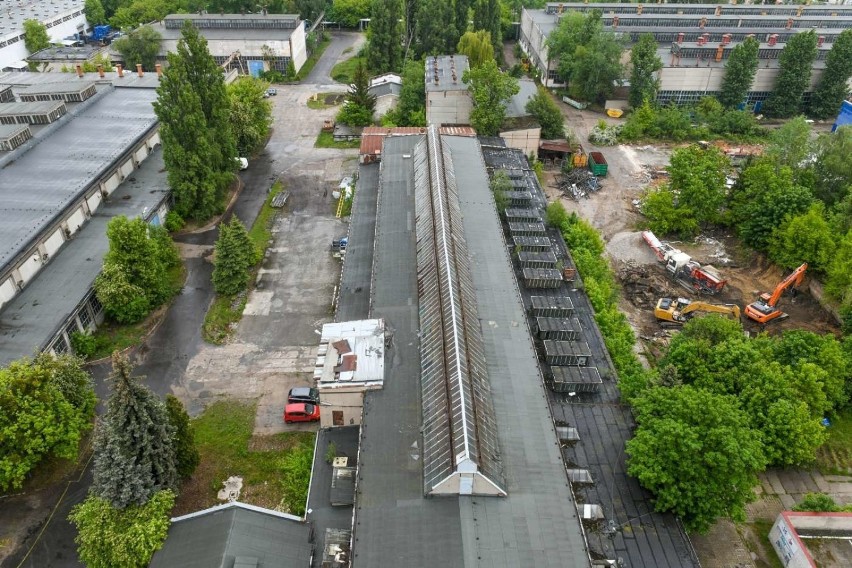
[(259, 19), (15, 12), (37, 107), (174, 34), (444, 73), (74, 85), (57, 171), (30, 319), (395, 523), (235, 535), (537, 524), (65, 53), (355, 282), (517, 105), (460, 450), (383, 89), (11, 130)]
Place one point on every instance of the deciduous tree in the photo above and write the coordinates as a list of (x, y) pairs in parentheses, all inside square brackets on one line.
[(796, 61), (764, 195), (486, 16), (697, 175), (198, 144), (251, 113), (235, 255), (46, 404), (140, 46), (833, 86), (696, 452), (94, 11), (491, 89), (134, 445), (644, 64), (804, 238), (35, 36), (186, 454), (833, 168), (384, 50), (477, 47), (434, 31), (739, 73), (548, 115), (790, 144), (108, 537)]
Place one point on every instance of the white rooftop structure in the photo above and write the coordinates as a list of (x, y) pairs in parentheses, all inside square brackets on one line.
[(351, 353), (61, 17)]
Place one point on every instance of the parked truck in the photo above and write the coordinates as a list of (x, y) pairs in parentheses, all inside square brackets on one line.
[(597, 163)]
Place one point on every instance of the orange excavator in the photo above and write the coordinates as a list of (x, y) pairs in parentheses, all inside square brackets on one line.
[(763, 310)]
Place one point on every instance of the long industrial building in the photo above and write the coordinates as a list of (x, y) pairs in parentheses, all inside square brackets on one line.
[(696, 40), (62, 18), (72, 157)]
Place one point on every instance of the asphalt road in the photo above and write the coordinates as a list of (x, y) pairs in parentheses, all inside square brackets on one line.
[(164, 356)]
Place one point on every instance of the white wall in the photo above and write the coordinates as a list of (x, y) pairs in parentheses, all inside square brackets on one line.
[(18, 52), (350, 403), (448, 107), (298, 49), (526, 140), (8, 290), (786, 545), (710, 78)]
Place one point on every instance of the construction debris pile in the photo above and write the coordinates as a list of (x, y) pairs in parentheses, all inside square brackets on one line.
[(578, 183), (643, 284)]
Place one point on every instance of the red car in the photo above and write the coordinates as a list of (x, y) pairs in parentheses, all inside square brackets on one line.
[(301, 412)]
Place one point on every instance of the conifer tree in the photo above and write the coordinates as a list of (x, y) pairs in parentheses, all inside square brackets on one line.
[(186, 454), (486, 17), (134, 447), (235, 255)]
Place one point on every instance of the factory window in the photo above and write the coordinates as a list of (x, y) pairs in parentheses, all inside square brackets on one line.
[(60, 346), (85, 316), (97, 307)]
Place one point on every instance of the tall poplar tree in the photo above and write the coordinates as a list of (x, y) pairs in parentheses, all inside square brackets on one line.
[(384, 52), (833, 86), (796, 61), (644, 63), (486, 17), (199, 146), (134, 447), (435, 33), (739, 73)]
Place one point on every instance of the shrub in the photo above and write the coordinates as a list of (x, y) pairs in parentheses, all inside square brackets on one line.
[(83, 344), (174, 222)]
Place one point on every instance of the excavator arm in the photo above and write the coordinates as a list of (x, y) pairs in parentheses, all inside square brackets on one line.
[(681, 310), (730, 309), (763, 310), (795, 279)]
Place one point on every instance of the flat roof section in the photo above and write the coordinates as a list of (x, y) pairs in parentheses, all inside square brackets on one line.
[(356, 279), (15, 12), (174, 34), (13, 135), (394, 522), (444, 73), (259, 20), (69, 91), (32, 317), (63, 166), (38, 112), (537, 524)]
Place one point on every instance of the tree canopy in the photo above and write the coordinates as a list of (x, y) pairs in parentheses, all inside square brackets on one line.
[(477, 47), (186, 453), (739, 73), (589, 57), (35, 36), (46, 404), (94, 11), (235, 255), (796, 61), (804, 238), (644, 64), (486, 16), (360, 104), (108, 537), (490, 89), (140, 46), (384, 48), (695, 450), (250, 113), (434, 31), (548, 115), (199, 146), (697, 175), (134, 445), (411, 110), (833, 85)]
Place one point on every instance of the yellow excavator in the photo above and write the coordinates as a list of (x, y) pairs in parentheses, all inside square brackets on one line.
[(674, 313)]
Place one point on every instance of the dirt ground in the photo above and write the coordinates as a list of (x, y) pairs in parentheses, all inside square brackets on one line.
[(613, 212)]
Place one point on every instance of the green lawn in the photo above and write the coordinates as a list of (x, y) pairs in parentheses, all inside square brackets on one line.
[(225, 311), (326, 140), (321, 100), (223, 435), (344, 72), (835, 456)]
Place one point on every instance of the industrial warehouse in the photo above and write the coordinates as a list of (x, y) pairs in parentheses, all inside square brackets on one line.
[(74, 153), (457, 447), (696, 40)]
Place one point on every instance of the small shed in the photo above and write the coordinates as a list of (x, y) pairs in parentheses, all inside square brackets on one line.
[(568, 353), (542, 278), (565, 329), (552, 306), (544, 259), (576, 379)]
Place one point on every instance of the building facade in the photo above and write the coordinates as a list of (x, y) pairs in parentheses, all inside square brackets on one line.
[(696, 40)]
